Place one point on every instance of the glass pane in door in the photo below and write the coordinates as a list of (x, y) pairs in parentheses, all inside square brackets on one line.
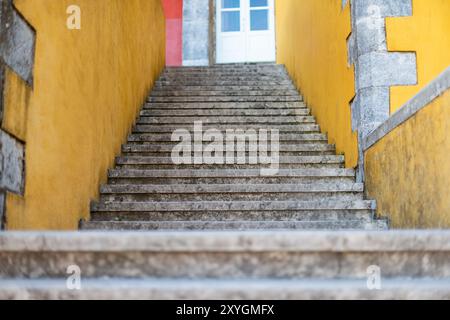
[(259, 20), (231, 21), (258, 3), (231, 4)]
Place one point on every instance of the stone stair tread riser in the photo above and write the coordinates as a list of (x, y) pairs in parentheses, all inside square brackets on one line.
[(322, 215), (235, 225), (224, 188), (235, 206), (225, 113)]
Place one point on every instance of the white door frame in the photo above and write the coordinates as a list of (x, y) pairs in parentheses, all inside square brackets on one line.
[(246, 46)]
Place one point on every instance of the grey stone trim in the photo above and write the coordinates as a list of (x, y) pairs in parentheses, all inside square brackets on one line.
[(435, 89), (11, 163), (2, 85), (17, 42), (2, 210), (196, 33), (376, 69)]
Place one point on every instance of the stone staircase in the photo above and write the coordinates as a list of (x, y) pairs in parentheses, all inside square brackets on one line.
[(226, 231), (312, 190)]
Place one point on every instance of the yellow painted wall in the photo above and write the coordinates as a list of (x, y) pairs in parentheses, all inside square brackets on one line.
[(311, 42), (427, 33), (89, 85), (408, 171)]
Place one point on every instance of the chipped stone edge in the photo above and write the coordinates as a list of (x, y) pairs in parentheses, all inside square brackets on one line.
[(421, 100)]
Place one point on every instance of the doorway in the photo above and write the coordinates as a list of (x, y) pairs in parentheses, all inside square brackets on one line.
[(245, 31)]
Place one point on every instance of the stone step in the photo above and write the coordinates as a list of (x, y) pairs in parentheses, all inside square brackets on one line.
[(142, 162), (214, 71), (158, 87), (230, 192), (282, 120), (237, 176), (156, 150), (162, 128), (304, 215), (222, 206), (237, 67), (163, 112), (227, 98), (242, 289), (247, 255), (287, 138), (231, 225), (225, 105), (220, 82), (208, 78), (223, 93)]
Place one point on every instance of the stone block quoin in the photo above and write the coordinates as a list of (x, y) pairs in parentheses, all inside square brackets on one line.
[(17, 46), (376, 68)]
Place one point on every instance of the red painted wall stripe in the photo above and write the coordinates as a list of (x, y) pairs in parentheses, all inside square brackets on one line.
[(173, 10)]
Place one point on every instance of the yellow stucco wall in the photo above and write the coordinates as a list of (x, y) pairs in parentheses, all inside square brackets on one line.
[(311, 42), (427, 33), (88, 87), (408, 171)]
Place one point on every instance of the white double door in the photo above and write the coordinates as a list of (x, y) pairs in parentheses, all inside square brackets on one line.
[(245, 31)]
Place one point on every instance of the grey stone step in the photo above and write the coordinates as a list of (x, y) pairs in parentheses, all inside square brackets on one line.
[(304, 215), (237, 176), (162, 128), (242, 289), (230, 192), (231, 225), (230, 93), (225, 105), (223, 112), (237, 67), (283, 137), (158, 87), (284, 162), (236, 255), (167, 148), (156, 150), (282, 120), (220, 82), (221, 206), (227, 99), (208, 78)]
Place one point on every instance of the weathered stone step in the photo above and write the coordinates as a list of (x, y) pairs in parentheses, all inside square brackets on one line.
[(159, 87), (220, 82), (215, 71), (237, 176), (141, 162), (228, 99), (207, 79), (163, 128), (229, 192), (304, 215), (291, 138), (228, 120), (242, 289), (166, 149), (231, 225), (225, 105), (221, 206), (240, 255), (226, 76), (237, 67), (224, 112), (223, 93)]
